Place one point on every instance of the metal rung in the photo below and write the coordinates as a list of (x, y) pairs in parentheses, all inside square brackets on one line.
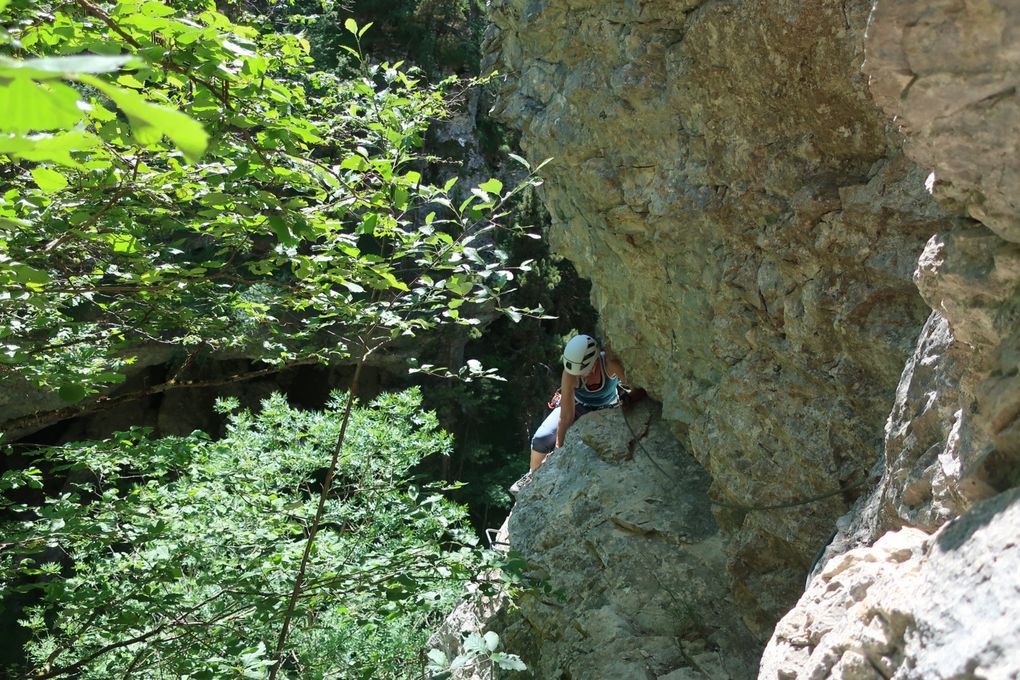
[(490, 535)]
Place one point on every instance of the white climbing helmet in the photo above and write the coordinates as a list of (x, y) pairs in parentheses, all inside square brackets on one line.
[(580, 353)]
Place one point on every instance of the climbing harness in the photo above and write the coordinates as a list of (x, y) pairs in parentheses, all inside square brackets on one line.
[(554, 401)]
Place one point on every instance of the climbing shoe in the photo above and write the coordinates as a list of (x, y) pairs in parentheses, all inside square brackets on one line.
[(520, 483)]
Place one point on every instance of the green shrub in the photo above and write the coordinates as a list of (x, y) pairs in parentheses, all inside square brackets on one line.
[(175, 557)]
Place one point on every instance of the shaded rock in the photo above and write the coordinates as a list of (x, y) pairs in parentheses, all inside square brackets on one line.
[(20, 398)]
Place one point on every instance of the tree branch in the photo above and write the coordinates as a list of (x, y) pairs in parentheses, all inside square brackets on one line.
[(41, 419), (97, 12), (142, 637), (314, 529)]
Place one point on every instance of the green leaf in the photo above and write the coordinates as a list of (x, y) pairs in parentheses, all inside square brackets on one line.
[(437, 657), (28, 275), (129, 80), (474, 644), (493, 186), (279, 227), (509, 662), (354, 163), (49, 180), (49, 148), (151, 121), (123, 243), (352, 26), (369, 223), (156, 9), (57, 67), (391, 281), (71, 392), (458, 286), (520, 160), (491, 641), (14, 222), (26, 105)]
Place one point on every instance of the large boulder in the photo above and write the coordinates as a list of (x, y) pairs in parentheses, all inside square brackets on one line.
[(618, 527), (912, 606)]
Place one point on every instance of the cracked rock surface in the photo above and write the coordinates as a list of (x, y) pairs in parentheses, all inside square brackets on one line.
[(802, 226), (618, 526), (912, 606), (750, 227)]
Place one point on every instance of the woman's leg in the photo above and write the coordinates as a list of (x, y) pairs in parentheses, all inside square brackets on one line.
[(544, 440), (536, 459)]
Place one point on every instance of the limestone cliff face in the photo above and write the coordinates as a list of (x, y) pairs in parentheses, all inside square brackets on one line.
[(801, 224), (900, 603), (750, 228)]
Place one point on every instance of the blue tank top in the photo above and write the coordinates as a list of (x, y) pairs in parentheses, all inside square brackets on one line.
[(606, 395)]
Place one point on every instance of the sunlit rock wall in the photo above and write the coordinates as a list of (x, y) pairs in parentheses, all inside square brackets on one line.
[(750, 226), (896, 602), (947, 73), (912, 606)]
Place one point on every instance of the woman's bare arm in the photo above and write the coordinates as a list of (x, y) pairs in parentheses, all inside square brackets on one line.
[(567, 384)]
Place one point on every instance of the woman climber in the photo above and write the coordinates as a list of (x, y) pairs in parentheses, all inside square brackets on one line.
[(591, 381)]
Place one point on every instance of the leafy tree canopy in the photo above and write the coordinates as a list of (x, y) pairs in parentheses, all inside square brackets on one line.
[(173, 178), (174, 557)]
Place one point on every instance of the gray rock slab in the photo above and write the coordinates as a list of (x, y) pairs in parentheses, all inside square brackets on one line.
[(913, 606)]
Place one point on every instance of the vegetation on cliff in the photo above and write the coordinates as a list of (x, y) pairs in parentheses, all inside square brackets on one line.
[(174, 557), (176, 177)]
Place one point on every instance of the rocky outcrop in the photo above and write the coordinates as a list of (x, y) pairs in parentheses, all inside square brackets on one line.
[(939, 609), (947, 72), (757, 214), (618, 528), (750, 229), (960, 112), (912, 606)]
